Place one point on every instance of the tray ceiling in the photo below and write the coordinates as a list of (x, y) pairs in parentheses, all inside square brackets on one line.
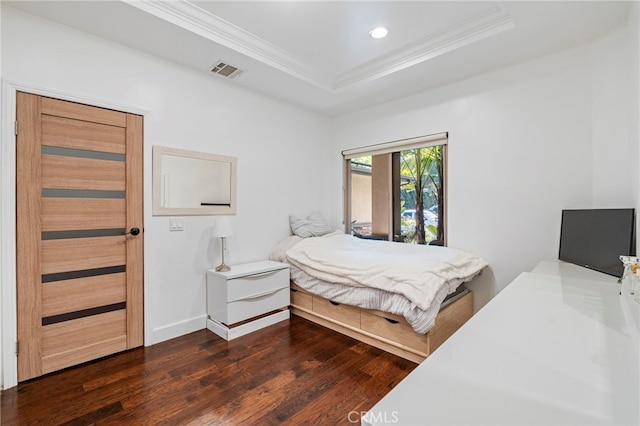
[(319, 55)]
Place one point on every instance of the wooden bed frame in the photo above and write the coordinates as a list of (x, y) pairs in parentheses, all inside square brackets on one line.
[(386, 331)]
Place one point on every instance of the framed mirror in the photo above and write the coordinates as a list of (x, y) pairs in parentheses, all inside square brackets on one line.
[(193, 183)]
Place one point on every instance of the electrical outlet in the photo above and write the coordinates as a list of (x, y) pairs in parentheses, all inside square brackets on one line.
[(176, 224)]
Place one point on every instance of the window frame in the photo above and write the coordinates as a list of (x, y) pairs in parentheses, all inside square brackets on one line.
[(391, 148)]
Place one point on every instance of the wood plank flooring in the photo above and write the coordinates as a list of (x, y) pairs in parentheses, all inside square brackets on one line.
[(294, 372)]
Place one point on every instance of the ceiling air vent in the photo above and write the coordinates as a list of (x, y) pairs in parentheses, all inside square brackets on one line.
[(226, 70)]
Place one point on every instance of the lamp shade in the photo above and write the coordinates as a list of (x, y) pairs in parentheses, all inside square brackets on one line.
[(222, 227)]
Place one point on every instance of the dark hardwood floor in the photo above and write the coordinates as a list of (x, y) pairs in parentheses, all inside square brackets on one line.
[(294, 372)]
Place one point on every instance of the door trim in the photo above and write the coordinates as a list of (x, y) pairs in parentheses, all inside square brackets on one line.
[(8, 270)]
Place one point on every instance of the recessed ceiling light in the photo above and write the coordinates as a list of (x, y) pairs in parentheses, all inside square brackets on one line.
[(379, 32)]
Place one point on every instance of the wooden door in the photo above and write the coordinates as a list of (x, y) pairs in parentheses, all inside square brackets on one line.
[(79, 258)]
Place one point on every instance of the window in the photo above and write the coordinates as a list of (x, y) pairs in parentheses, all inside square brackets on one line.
[(396, 191)]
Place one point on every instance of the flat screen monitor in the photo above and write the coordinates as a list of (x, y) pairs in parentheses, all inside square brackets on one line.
[(595, 238)]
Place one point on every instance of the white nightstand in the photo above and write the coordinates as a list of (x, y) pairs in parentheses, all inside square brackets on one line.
[(248, 297)]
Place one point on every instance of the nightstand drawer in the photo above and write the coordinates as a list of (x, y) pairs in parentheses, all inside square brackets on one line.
[(247, 297), (257, 304), (257, 284)]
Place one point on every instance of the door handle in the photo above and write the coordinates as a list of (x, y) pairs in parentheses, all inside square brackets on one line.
[(133, 231)]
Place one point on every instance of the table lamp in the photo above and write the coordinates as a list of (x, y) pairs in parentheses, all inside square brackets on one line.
[(222, 229)]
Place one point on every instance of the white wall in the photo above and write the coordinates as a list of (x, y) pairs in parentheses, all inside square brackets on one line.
[(634, 118), (2, 245), (280, 151), (614, 165), (524, 143)]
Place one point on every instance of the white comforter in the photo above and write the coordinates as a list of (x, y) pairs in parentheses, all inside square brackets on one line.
[(419, 273)]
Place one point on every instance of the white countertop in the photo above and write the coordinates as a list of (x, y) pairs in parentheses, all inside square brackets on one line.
[(553, 348), (569, 270)]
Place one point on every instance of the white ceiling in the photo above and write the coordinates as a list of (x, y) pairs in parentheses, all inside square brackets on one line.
[(319, 55)]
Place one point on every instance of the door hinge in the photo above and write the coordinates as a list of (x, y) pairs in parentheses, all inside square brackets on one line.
[(17, 347), (16, 127)]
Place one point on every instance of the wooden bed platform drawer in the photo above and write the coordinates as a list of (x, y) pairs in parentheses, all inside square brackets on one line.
[(394, 328), (386, 331), (300, 298), (343, 313), (449, 319)]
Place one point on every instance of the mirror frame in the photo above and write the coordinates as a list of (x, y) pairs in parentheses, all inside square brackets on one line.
[(159, 210)]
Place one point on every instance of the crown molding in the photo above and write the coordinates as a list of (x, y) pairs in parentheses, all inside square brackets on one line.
[(479, 27), (190, 17)]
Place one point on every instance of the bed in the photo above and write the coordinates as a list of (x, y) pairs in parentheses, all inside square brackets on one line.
[(403, 298)]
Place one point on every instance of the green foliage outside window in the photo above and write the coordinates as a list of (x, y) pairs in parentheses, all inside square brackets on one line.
[(423, 189)]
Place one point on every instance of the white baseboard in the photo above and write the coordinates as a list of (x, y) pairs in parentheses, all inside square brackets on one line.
[(178, 329)]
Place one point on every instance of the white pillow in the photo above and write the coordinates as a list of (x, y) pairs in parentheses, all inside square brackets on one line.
[(313, 225)]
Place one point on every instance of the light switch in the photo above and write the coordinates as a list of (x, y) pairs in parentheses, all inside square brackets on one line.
[(176, 224)]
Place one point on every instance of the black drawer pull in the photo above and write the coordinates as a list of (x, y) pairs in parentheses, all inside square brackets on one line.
[(293, 289), (391, 321), (334, 303)]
